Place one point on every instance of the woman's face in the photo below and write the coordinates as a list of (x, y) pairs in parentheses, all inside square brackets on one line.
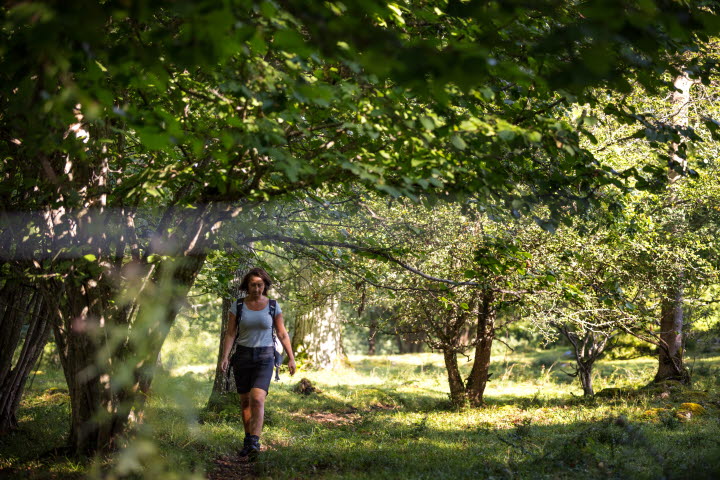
[(256, 286)]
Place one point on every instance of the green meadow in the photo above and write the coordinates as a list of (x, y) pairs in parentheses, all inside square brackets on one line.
[(389, 417)]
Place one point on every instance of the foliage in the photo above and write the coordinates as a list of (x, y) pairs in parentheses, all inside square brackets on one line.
[(153, 126), (193, 337)]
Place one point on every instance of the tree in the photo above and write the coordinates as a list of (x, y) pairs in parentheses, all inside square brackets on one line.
[(189, 106), (588, 347), (446, 271), (670, 216), (670, 358), (593, 291)]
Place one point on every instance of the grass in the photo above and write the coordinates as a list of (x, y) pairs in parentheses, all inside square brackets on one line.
[(389, 417)]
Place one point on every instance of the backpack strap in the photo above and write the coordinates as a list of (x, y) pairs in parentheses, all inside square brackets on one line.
[(273, 309)]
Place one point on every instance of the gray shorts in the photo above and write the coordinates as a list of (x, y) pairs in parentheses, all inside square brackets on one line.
[(253, 367)]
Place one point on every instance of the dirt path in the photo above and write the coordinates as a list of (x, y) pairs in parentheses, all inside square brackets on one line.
[(232, 467)]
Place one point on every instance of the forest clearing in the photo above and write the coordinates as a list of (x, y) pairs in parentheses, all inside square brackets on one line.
[(389, 416), (476, 239)]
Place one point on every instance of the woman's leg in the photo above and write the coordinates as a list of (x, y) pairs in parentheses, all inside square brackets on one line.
[(253, 413), (256, 377), (246, 411), (256, 411)]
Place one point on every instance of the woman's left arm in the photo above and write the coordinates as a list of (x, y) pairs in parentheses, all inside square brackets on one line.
[(284, 338)]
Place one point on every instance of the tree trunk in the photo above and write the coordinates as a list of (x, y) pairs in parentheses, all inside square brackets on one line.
[(670, 356), (400, 344), (302, 328), (670, 365), (224, 381), (480, 372), (77, 354), (409, 343), (588, 349), (32, 310), (108, 354), (457, 386), (12, 302), (323, 343), (585, 374), (371, 338)]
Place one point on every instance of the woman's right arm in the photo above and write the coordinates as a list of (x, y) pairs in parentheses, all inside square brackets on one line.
[(230, 333)]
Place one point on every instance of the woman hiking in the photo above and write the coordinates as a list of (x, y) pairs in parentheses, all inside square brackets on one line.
[(252, 330)]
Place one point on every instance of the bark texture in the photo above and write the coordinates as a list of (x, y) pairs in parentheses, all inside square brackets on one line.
[(452, 333), (107, 364), (670, 358), (457, 386), (224, 383), (319, 334), (22, 309), (480, 373), (670, 352)]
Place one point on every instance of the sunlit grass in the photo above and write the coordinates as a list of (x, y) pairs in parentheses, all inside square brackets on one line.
[(535, 424), (390, 417)]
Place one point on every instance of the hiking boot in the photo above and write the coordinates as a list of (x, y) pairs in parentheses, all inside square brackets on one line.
[(245, 451), (254, 451), (251, 447)]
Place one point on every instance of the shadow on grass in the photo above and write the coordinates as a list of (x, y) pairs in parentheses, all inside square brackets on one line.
[(38, 448), (402, 425), (391, 448)]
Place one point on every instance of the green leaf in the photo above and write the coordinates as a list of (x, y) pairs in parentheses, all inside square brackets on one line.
[(291, 41), (506, 135), (428, 123), (534, 137), (154, 139), (458, 142)]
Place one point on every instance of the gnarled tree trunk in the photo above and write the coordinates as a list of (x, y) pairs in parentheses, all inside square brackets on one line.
[(588, 347), (585, 374), (457, 386), (480, 373), (22, 308), (108, 352)]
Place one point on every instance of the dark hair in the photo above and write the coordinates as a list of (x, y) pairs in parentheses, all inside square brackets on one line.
[(256, 272)]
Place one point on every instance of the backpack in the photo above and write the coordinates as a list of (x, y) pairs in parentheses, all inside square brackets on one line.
[(277, 346)]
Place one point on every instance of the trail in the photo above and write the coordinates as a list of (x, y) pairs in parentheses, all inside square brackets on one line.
[(232, 467)]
